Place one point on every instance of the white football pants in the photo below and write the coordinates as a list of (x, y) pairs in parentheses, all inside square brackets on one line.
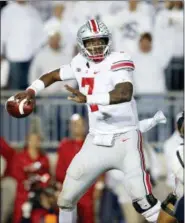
[(126, 155)]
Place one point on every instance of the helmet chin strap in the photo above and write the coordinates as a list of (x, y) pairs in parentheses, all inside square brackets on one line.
[(96, 58)]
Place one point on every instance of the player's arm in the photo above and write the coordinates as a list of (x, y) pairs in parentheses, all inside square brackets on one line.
[(63, 73), (121, 93), (39, 85), (121, 76), (51, 77)]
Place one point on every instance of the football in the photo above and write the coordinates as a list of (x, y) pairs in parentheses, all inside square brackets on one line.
[(19, 108)]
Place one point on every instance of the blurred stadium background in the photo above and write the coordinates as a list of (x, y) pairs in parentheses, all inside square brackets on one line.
[(38, 36)]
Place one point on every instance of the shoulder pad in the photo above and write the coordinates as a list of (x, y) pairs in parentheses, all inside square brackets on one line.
[(121, 60), (77, 60)]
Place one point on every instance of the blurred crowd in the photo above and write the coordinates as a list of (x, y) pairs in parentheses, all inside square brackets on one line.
[(31, 181), (38, 36)]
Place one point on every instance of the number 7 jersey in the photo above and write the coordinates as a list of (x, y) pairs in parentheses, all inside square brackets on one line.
[(102, 78)]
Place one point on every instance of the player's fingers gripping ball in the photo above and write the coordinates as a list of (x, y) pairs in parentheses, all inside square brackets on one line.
[(20, 107)]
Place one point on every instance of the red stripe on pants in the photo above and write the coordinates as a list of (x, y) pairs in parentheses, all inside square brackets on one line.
[(146, 175)]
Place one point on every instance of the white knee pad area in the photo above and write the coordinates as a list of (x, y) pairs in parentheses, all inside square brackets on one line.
[(65, 204), (151, 215)]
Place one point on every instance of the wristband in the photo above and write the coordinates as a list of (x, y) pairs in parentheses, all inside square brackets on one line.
[(30, 90), (100, 99), (37, 86)]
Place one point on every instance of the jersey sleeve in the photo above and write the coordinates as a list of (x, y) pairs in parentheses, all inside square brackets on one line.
[(122, 69), (66, 72)]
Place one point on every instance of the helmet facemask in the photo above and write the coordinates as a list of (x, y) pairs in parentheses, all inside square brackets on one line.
[(96, 48)]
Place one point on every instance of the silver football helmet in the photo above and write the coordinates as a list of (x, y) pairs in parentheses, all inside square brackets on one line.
[(94, 40)]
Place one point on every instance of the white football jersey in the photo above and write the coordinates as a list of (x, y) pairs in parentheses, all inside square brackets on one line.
[(102, 78)]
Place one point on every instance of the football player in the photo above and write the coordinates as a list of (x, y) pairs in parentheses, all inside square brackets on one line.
[(114, 140), (169, 213)]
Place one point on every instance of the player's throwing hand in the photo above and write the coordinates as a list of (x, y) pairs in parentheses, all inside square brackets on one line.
[(77, 95), (28, 94)]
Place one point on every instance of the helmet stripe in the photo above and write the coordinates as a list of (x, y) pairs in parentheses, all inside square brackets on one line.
[(94, 25)]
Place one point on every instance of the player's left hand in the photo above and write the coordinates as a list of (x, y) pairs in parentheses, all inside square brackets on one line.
[(77, 95)]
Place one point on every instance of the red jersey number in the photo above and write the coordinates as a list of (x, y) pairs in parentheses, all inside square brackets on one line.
[(89, 81)]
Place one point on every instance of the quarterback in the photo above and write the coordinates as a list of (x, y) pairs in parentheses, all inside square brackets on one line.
[(114, 141)]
